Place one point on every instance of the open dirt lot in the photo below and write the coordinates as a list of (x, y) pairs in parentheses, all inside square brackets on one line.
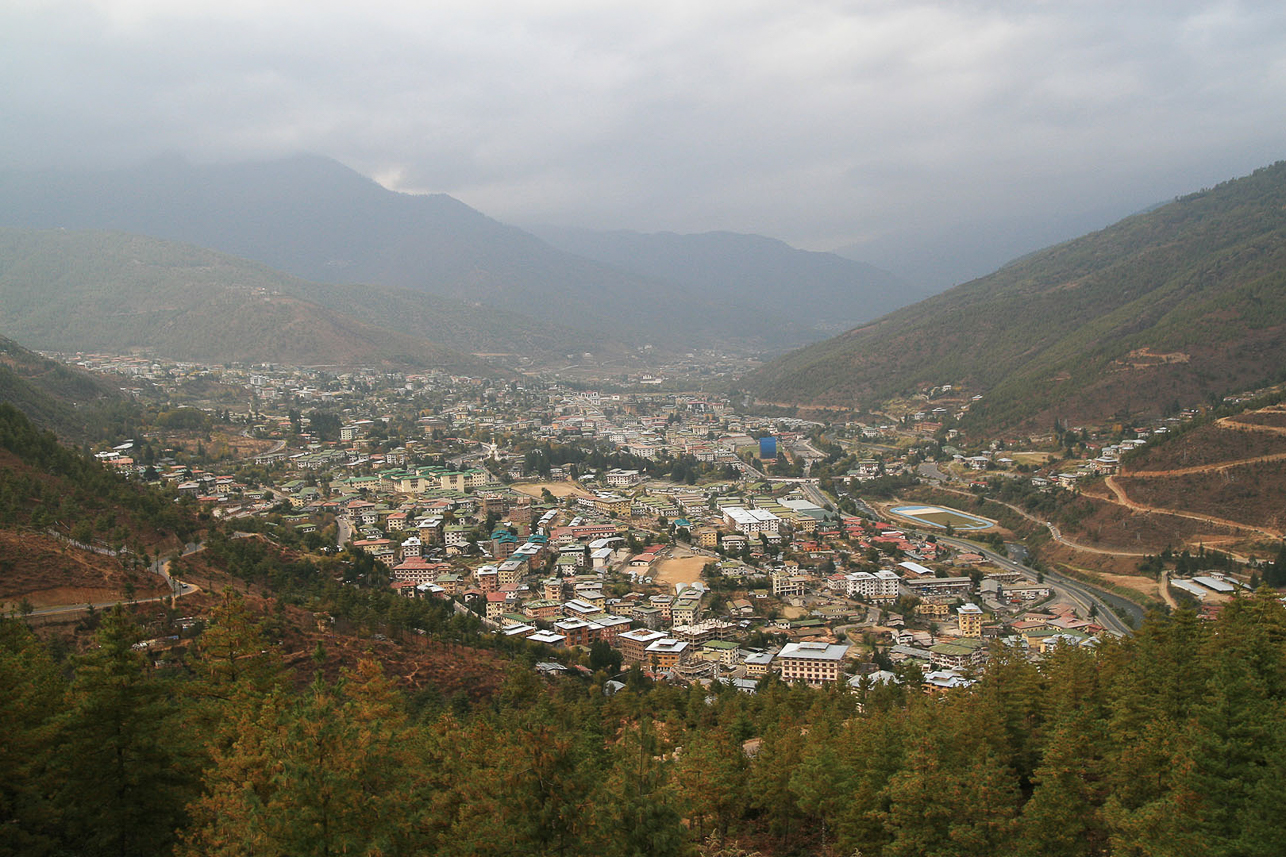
[(558, 489), (680, 567)]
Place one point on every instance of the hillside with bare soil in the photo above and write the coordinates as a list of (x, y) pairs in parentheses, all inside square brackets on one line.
[(1215, 485), (46, 571)]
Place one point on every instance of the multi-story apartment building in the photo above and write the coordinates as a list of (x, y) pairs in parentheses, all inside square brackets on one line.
[(812, 663)]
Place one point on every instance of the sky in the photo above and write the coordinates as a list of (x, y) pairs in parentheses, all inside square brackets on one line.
[(936, 139)]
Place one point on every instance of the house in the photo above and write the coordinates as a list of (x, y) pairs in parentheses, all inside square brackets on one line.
[(541, 608), (633, 644), (412, 547), (758, 663), (786, 585), (958, 654), (940, 681), (937, 588), (577, 632), (685, 611), (610, 628), (706, 537), (622, 478), (722, 652), (750, 522), (497, 605)]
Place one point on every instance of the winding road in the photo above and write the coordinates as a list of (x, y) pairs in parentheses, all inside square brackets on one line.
[(178, 589)]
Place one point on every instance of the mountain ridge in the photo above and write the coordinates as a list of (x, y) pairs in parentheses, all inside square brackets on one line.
[(1177, 304), (758, 270), (316, 219), (115, 292)]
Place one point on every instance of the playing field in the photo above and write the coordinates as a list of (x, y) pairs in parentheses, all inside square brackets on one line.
[(558, 489), (680, 569), (942, 517)]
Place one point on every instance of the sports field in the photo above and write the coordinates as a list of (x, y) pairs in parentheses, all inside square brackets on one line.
[(941, 516)]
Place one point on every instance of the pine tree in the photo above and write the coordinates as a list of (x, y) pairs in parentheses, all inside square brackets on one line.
[(324, 775), (1063, 818), (125, 764), (637, 811), (768, 782), (710, 777), (31, 702), (954, 795)]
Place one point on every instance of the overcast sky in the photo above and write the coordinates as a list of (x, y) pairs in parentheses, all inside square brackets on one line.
[(939, 138)]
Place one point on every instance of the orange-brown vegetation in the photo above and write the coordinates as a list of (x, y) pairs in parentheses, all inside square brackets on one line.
[(1242, 493), (1113, 569), (416, 662), (1214, 444), (1108, 525), (221, 444), (47, 571), (1217, 485), (1268, 417)]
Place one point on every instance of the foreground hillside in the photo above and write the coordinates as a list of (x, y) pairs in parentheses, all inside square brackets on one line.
[(73, 532), (1167, 743), (1175, 305), (117, 293)]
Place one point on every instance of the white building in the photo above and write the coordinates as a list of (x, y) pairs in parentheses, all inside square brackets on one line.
[(622, 478), (751, 521), (813, 663)]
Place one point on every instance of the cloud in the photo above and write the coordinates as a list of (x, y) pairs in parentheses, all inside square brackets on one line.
[(901, 127)]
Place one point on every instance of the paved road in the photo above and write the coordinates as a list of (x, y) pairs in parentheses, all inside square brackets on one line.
[(177, 589), (1066, 588), (930, 470)]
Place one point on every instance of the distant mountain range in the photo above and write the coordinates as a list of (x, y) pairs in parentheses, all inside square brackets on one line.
[(318, 220), (1178, 304), (814, 291), (117, 293)]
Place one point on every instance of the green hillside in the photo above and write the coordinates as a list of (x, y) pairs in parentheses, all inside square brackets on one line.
[(111, 292), (1175, 305), (469, 327), (53, 395), (317, 219)]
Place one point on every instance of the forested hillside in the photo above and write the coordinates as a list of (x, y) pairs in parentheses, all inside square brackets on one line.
[(1168, 743), (1172, 306), (44, 484), (117, 293), (59, 397)]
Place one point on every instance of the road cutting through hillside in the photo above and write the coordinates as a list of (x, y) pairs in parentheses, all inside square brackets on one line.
[(1122, 499), (1205, 468), (1231, 422), (1054, 532)]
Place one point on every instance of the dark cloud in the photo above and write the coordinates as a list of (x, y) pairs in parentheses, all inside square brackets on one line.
[(936, 138)]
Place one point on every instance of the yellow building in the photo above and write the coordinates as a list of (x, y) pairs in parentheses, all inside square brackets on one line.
[(969, 616)]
